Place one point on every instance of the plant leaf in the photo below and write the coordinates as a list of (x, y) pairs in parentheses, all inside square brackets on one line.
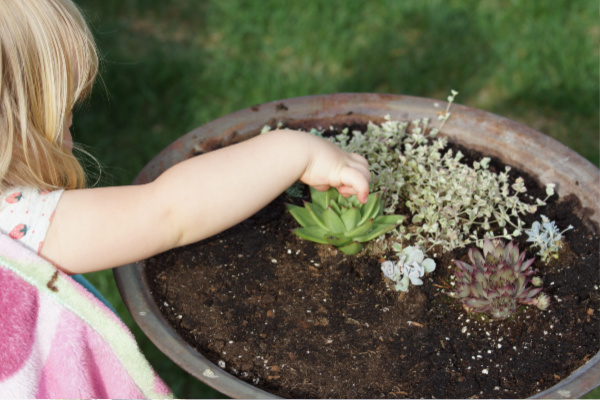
[(361, 230), (319, 198), (371, 208), (350, 217), (351, 248), (313, 234), (336, 207), (300, 214), (429, 265), (316, 213), (333, 221), (338, 240), (341, 200), (390, 219), (376, 231)]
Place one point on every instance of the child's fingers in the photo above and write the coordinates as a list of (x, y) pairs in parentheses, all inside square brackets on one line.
[(321, 188), (361, 165), (346, 191), (364, 171), (355, 181), (360, 159)]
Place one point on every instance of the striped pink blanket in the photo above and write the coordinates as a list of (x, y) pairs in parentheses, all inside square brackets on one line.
[(59, 341)]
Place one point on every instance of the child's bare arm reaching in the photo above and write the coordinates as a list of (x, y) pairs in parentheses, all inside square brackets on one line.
[(101, 228)]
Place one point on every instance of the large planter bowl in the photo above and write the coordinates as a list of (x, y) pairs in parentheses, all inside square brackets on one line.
[(513, 143)]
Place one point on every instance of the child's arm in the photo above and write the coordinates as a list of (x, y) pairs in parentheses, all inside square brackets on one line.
[(101, 228)]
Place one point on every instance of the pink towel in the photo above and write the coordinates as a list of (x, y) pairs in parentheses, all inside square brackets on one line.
[(59, 341)]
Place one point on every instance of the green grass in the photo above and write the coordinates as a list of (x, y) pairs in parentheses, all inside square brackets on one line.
[(171, 66)]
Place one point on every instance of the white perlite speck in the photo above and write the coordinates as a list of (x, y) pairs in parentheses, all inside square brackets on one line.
[(209, 373)]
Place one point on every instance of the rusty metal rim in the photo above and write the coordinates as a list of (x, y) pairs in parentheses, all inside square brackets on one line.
[(517, 144)]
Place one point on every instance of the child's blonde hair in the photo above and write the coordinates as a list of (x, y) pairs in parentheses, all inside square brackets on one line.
[(48, 62)]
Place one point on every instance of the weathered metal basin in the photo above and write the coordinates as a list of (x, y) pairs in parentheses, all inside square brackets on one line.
[(512, 142)]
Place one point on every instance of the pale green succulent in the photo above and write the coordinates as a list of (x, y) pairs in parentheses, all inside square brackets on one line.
[(342, 222)]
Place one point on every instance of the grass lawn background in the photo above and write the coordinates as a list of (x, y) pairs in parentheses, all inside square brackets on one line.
[(170, 66)]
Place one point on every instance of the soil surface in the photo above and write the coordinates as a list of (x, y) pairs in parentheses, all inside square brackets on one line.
[(302, 320)]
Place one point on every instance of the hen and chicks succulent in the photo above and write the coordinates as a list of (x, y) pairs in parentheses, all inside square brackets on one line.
[(497, 281)]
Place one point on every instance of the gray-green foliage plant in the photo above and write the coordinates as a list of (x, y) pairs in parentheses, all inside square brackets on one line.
[(453, 204), (342, 222)]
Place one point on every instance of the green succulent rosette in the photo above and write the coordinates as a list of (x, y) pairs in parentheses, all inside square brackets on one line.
[(345, 223)]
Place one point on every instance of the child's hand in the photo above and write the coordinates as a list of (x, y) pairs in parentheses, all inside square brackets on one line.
[(330, 166)]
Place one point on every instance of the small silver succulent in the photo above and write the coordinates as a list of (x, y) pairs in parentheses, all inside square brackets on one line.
[(412, 265), (546, 237)]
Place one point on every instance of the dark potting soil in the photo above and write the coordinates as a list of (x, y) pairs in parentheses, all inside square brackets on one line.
[(303, 320)]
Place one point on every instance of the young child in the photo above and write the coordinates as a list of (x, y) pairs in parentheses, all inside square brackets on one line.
[(48, 63)]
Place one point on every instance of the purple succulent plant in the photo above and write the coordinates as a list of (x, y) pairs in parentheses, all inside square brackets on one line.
[(497, 282)]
